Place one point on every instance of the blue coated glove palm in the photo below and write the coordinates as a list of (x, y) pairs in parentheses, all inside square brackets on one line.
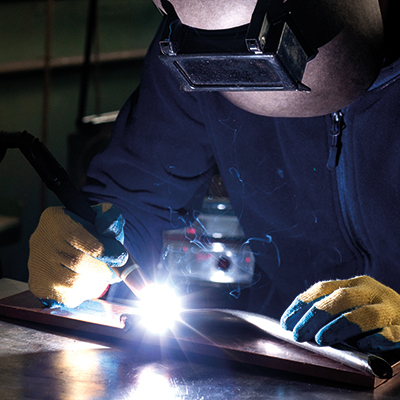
[(70, 258), (335, 311)]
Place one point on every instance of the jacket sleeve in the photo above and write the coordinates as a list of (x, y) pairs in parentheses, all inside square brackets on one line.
[(159, 162)]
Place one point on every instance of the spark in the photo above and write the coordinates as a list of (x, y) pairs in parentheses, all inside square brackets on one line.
[(268, 240)]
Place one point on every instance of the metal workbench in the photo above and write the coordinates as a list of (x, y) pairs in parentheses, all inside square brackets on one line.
[(49, 363)]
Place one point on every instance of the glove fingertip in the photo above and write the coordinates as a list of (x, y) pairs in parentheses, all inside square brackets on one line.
[(109, 222), (114, 258), (114, 253), (310, 324), (49, 303), (292, 314), (338, 330), (377, 343)]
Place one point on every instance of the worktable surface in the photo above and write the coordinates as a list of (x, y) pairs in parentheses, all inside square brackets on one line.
[(45, 363)]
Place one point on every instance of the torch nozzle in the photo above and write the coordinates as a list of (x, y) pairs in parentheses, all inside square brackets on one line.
[(133, 276)]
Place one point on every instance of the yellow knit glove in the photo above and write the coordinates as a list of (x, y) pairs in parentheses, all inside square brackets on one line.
[(335, 311), (69, 258)]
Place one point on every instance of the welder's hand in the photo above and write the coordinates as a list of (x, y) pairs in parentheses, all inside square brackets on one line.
[(335, 311), (69, 257)]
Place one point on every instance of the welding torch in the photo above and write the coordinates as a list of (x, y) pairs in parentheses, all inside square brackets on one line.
[(56, 178)]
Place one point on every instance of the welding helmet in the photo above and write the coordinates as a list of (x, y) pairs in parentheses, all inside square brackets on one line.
[(267, 54), (292, 58)]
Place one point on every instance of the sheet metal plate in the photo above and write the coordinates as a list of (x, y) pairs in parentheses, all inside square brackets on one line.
[(209, 334)]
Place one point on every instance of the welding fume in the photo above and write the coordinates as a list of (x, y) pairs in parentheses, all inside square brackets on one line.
[(295, 105)]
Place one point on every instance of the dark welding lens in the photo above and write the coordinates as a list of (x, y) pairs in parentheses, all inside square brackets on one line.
[(261, 56), (228, 73)]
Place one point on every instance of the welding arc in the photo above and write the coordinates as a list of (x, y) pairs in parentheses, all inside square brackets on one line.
[(56, 178)]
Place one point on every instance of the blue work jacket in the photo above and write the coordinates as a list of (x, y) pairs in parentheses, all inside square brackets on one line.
[(305, 220)]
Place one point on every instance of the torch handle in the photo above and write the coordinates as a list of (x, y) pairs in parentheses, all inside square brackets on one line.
[(56, 178)]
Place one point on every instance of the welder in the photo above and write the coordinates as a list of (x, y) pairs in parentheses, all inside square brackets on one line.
[(296, 103)]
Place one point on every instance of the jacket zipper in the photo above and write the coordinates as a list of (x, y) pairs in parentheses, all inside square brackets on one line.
[(345, 221), (335, 136)]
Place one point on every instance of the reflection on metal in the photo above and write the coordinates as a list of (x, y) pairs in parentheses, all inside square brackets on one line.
[(364, 362), (79, 363), (153, 383), (218, 333), (212, 249)]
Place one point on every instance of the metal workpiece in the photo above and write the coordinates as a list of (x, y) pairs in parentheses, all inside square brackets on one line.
[(39, 364), (365, 362), (211, 354), (371, 364)]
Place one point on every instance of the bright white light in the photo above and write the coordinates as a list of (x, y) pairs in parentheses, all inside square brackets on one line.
[(221, 206), (217, 247), (151, 384), (159, 307), (217, 235), (220, 277)]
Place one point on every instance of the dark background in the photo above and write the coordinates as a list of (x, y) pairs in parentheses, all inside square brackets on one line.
[(124, 31)]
